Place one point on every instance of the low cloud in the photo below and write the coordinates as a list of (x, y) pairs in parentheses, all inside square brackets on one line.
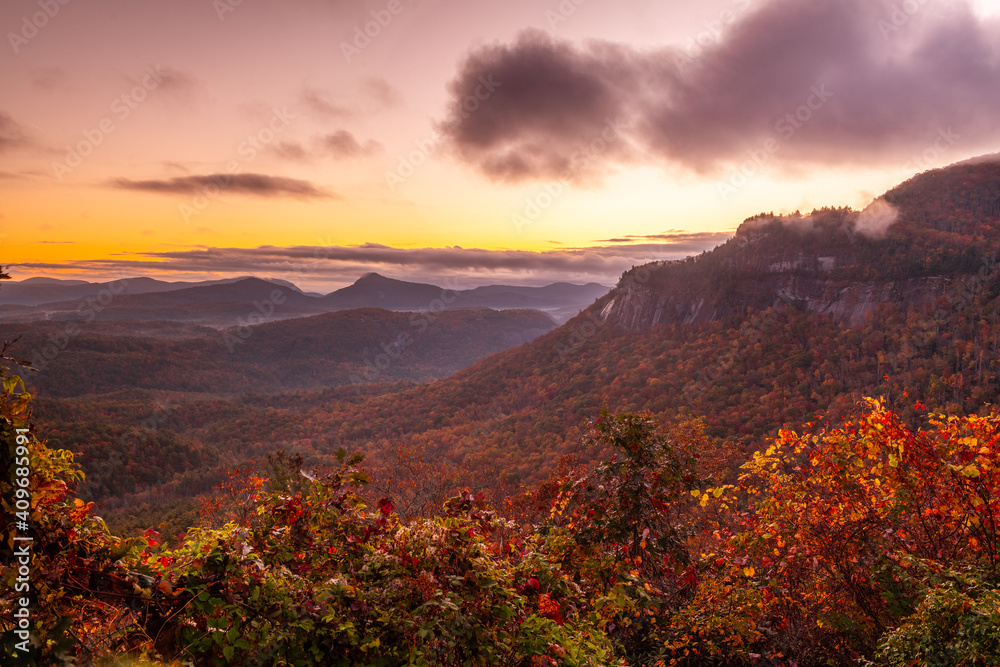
[(259, 185), (850, 82), (328, 267), (676, 238), (876, 219)]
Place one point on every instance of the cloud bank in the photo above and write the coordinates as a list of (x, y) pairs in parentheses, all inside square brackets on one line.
[(326, 267), (845, 82)]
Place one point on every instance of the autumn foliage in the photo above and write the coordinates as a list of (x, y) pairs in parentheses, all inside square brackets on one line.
[(871, 540)]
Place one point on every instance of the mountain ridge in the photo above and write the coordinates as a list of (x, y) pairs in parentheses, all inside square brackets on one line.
[(227, 303)]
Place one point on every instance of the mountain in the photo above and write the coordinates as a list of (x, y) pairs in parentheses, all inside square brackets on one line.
[(219, 304), (236, 302), (375, 291), (561, 300), (352, 347), (38, 291)]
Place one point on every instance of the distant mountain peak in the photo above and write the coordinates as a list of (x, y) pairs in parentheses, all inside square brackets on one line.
[(371, 276)]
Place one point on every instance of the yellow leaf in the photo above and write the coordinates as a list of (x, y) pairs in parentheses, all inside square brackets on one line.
[(749, 571)]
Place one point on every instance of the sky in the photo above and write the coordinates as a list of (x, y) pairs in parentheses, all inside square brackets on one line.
[(476, 141)]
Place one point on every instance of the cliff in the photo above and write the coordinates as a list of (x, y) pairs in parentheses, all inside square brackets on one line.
[(931, 238)]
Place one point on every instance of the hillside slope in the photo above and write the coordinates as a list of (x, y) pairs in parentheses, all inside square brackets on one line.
[(760, 361), (353, 347)]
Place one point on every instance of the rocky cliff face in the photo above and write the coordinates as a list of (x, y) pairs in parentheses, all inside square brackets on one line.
[(635, 306)]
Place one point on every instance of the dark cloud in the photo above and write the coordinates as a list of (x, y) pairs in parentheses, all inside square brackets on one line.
[(291, 150), (342, 144), (318, 102), (260, 185), (339, 145), (176, 82), (804, 81), (332, 265), (531, 109)]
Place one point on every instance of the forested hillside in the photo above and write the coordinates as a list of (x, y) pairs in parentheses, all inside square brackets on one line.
[(354, 347), (746, 373)]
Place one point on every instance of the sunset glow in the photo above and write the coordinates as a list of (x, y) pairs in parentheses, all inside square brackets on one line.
[(130, 130)]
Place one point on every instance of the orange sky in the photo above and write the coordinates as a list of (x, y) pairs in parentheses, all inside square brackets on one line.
[(114, 114)]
